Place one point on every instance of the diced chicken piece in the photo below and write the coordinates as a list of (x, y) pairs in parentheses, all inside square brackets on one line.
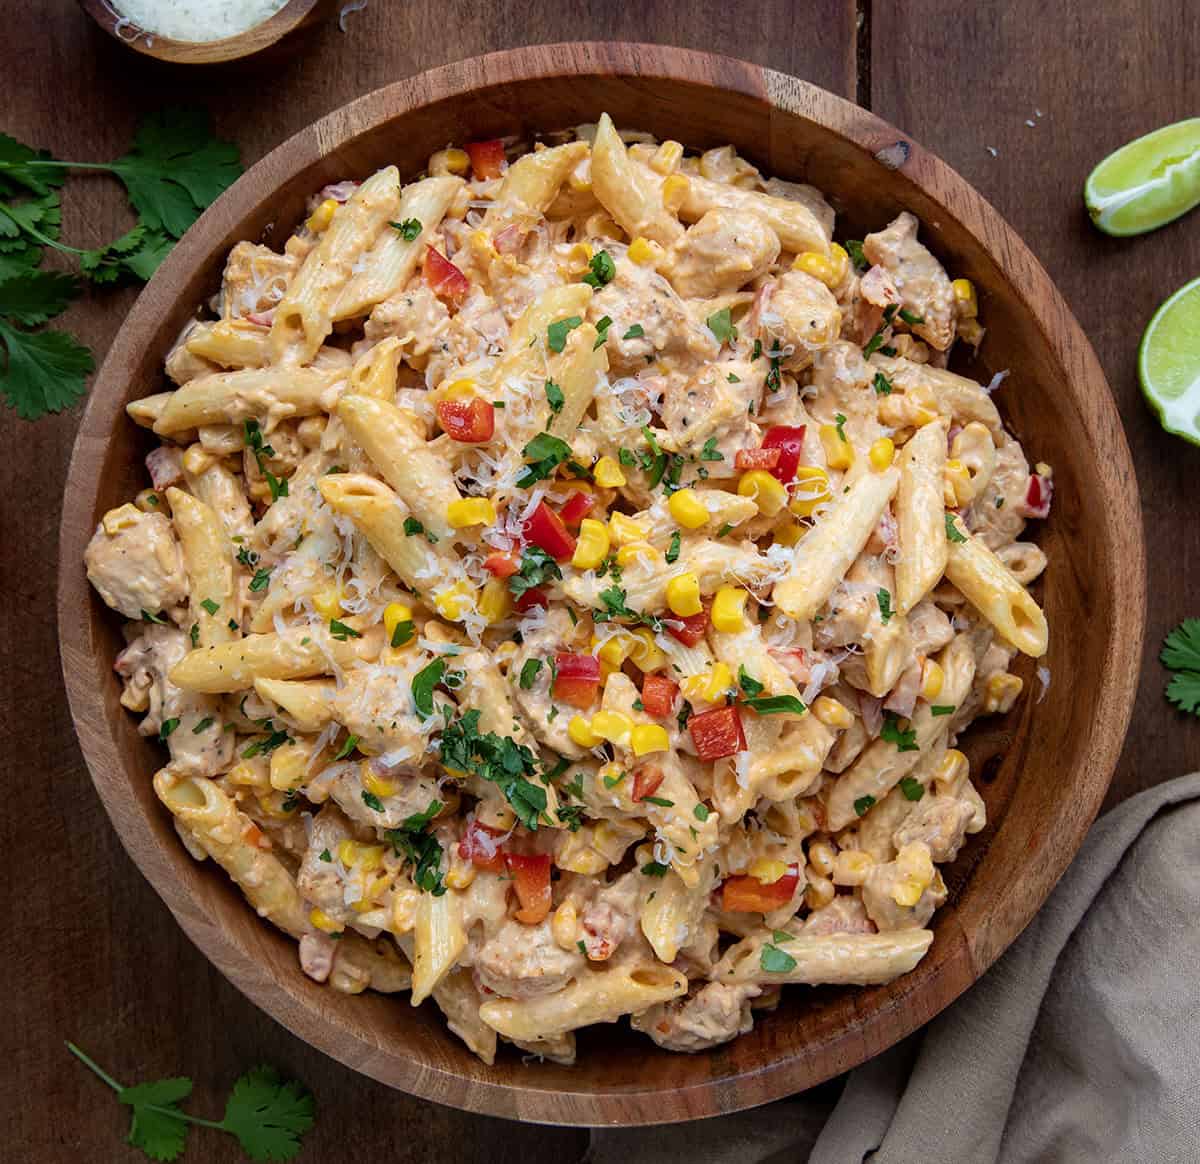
[(903, 696), (711, 405), (320, 880), (415, 791), (923, 284), (641, 300), (182, 365), (376, 705), (845, 914), (940, 822), (415, 316), (536, 703), (165, 466), (798, 317), (521, 961), (806, 195), (713, 1015), (135, 563), (929, 627), (996, 516), (144, 666), (725, 250), (255, 280), (890, 887), (559, 1049), (611, 917), (317, 952)]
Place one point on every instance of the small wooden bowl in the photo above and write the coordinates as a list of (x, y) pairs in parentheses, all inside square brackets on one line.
[(1043, 770), (293, 16)]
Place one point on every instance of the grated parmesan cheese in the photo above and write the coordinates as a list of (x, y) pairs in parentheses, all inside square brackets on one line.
[(196, 20)]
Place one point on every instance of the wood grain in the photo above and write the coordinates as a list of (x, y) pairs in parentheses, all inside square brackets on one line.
[(99, 959), (1037, 816)]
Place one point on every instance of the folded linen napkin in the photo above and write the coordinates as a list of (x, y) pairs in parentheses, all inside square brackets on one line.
[(1082, 1043)]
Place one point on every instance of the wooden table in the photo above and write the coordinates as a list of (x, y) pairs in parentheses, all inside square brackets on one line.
[(94, 955)]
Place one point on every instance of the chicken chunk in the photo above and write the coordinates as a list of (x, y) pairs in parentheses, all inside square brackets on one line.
[(416, 317), (376, 705), (716, 1013), (995, 516), (318, 879), (198, 742), (725, 250), (923, 284), (845, 914), (711, 405), (798, 317), (521, 961), (135, 562), (890, 887), (255, 280), (940, 822)]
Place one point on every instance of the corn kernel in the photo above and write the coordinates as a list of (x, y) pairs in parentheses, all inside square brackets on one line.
[(495, 814), (645, 652), (464, 389), (250, 774), (667, 157), (687, 509), (820, 857), (818, 266), (608, 474), (328, 601), (149, 502), (629, 555), (579, 256), (124, 516), (831, 712), (683, 595), (851, 866), (932, 678), (789, 533), (592, 546), (613, 651), (451, 161), (495, 601), (915, 867), (675, 191), (564, 926), (197, 459), (882, 453), (368, 858), (709, 686), (641, 251), (375, 784), (625, 530), (580, 178), (455, 601), (812, 490), (767, 870), (839, 452), (394, 614), (322, 216), (729, 610), (323, 921), (289, 767), (649, 737), (613, 726), (1000, 693), (461, 874), (765, 490), (957, 487), (576, 855), (468, 511), (580, 731), (965, 298), (820, 893), (951, 773)]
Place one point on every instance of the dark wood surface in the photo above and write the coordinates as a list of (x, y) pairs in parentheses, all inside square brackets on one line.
[(86, 930)]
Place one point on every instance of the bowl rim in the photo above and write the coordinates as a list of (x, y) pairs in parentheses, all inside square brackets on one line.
[(440, 1080), (238, 47)]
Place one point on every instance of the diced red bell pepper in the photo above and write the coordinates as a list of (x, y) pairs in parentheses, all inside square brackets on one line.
[(694, 628), (487, 157), (444, 279), (745, 894), (789, 440), (658, 696), (545, 529), (577, 507), (478, 846), (576, 679), (717, 733), (757, 458), (531, 598), (646, 779), (468, 421), (531, 878), (501, 565), (1038, 496)]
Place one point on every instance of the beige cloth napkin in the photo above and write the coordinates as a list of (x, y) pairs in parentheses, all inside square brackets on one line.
[(1082, 1044)]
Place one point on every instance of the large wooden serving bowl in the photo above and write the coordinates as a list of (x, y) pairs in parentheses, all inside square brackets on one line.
[(1043, 769)]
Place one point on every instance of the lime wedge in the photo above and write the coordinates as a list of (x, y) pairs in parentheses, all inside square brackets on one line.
[(1147, 183), (1169, 363)]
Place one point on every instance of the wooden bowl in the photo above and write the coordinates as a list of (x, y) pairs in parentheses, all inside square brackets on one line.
[(1043, 769), (293, 16)]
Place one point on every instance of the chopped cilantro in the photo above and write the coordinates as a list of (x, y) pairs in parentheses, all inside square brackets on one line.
[(953, 533), (372, 801), (326, 856), (194, 635), (340, 631), (776, 961), (701, 812), (659, 801), (775, 705), (884, 598), (403, 632), (529, 673), (211, 606), (602, 326), (943, 709), (912, 788), (863, 804), (710, 451), (409, 229), (634, 332), (203, 725), (556, 333), (168, 726), (720, 323), (544, 453), (260, 581), (655, 869), (424, 681), (839, 421), (725, 528), (854, 249), (602, 271), (537, 567), (911, 317), (613, 781), (672, 554), (905, 741), (748, 684), (350, 744), (554, 394), (883, 386)]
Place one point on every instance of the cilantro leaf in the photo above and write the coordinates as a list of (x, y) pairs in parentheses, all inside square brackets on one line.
[(159, 1128), (555, 397), (672, 554), (776, 961), (953, 533), (44, 371), (16, 169), (602, 271), (269, 1114), (882, 385), (912, 788), (137, 253), (556, 333), (602, 326), (37, 296), (340, 631), (529, 673), (537, 567), (402, 633), (775, 705), (655, 869), (905, 741), (1184, 691), (854, 249), (176, 168), (1181, 653), (863, 804), (748, 684), (37, 218), (720, 323), (545, 453), (710, 451), (424, 681), (410, 229), (942, 709), (884, 598), (635, 331)]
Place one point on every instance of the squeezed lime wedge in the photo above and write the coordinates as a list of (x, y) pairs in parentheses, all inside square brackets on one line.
[(1169, 363), (1148, 182)]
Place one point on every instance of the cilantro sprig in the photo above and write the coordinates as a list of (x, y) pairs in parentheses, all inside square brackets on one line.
[(266, 1112), (174, 170), (1181, 655)]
